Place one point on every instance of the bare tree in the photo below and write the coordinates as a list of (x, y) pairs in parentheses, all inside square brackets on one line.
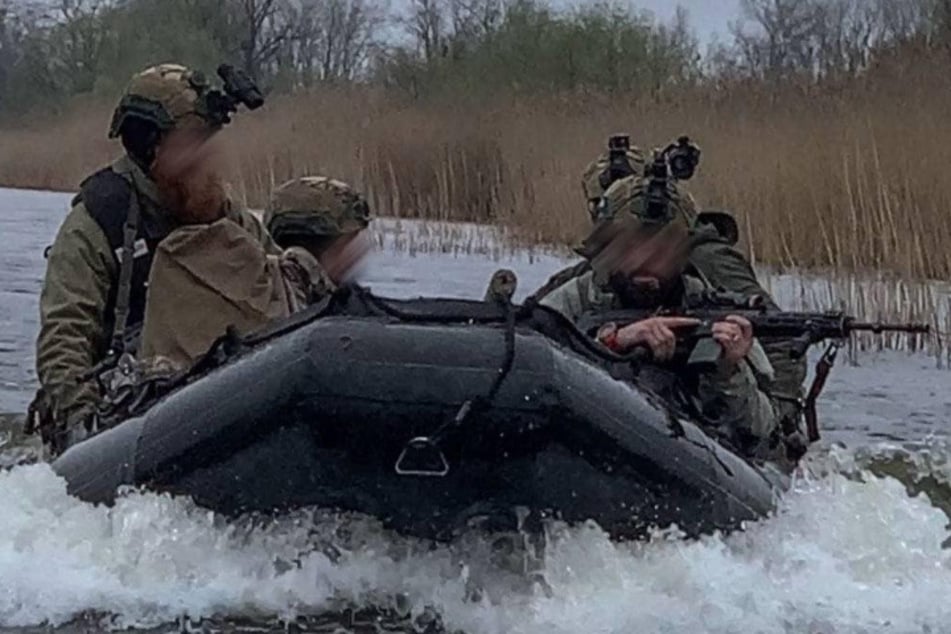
[(331, 40), (781, 41), (428, 24), (67, 38), (901, 20), (348, 28), (823, 38), (84, 34), (474, 19), (264, 32), (9, 45)]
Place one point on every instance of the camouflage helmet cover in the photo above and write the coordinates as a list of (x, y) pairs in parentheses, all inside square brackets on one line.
[(624, 209), (315, 206), (168, 95), (591, 177), (629, 196)]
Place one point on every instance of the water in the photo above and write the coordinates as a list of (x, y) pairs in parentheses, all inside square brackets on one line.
[(848, 551)]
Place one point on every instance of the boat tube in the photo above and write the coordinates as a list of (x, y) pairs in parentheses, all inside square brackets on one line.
[(425, 414)]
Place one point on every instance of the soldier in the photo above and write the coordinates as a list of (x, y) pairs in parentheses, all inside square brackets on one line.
[(620, 161), (640, 260), (323, 216), (210, 276), (713, 256), (94, 291)]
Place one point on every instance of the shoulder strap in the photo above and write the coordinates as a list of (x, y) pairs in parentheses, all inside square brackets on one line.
[(130, 229), (696, 281), (110, 200)]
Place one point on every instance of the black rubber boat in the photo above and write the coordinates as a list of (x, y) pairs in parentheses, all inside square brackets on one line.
[(425, 414)]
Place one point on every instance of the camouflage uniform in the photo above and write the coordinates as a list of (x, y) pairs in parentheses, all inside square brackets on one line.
[(722, 266), (207, 278), (307, 214), (732, 401), (82, 276)]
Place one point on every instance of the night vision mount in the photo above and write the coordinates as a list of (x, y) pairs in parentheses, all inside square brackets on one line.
[(678, 161), (237, 89), (682, 157), (619, 165)]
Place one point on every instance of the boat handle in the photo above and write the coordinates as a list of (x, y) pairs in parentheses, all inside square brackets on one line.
[(422, 444)]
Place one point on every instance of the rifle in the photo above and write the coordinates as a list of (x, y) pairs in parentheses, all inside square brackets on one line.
[(802, 329)]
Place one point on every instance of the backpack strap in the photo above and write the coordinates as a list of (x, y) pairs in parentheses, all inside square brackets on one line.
[(126, 262), (113, 203)]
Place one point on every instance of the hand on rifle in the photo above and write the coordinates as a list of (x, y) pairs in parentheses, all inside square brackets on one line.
[(656, 333), (735, 336)]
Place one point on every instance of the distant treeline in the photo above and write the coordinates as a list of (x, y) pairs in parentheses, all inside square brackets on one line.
[(52, 51)]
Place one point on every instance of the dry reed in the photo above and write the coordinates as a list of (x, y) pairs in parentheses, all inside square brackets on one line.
[(849, 178)]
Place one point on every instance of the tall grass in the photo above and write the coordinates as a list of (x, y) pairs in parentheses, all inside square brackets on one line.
[(850, 177)]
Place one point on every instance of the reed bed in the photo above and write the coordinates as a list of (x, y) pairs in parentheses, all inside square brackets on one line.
[(850, 180)]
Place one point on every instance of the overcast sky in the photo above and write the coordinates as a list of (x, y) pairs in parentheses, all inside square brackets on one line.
[(708, 17)]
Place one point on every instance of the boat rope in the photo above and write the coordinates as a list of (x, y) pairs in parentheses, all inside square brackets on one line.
[(528, 311)]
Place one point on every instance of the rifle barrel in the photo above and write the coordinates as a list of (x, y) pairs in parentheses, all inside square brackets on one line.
[(878, 327)]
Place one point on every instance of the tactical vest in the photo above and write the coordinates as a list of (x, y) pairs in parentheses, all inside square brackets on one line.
[(107, 197)]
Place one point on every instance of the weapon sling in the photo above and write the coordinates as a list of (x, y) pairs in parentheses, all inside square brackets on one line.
[(823, 369)]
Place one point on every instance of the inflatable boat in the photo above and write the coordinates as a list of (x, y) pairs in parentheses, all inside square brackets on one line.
[(426, 414)]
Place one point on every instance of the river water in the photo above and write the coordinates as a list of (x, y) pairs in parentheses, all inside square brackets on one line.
[(855, 547)]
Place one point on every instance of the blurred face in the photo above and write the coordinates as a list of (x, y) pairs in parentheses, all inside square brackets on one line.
[(661, 255), (341, 258), (651, 263), (188, 171)]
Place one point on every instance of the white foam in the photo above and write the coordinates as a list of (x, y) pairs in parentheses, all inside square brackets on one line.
[(841, 555)]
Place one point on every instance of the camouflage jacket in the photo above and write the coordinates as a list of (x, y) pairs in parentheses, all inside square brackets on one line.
[(81, 271), (730, 401), (724, 267)]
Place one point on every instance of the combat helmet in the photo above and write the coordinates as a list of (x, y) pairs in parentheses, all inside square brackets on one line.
[(634, 195), (315, 207), (635, 203), (172, 96), (167, 96)]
